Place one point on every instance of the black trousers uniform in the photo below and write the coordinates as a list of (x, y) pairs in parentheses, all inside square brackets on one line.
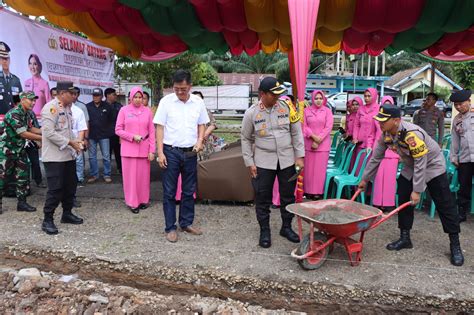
[(264, 189), (465, 173), (33, 155), (62, 183), (444, 203), (115, 148)]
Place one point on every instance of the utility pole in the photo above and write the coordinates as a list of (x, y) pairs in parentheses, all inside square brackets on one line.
[(368, 66), (376, 65), (383, 63)]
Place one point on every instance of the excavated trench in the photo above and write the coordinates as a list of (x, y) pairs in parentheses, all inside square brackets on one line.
[(303, 296)]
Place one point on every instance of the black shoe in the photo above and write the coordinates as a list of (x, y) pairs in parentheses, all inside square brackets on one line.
[(49, 227), (403, 242), (265, 240), (80, 184), (135, 210), (289, 234), (71, 219), (143, 206), (76, 204), (1, 209), (22, 205), (457, 258)]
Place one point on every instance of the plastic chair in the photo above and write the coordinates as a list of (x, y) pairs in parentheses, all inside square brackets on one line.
[(335, 139), (341, 168), (339, 155), (346, 180)]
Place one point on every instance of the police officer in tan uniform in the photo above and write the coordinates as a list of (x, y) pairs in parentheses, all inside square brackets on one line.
[(59, 154), (430, 118), (271, 146), (462, 148), (424, 166)]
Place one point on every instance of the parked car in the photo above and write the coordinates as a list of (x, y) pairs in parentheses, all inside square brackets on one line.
[(338, 101), (411, 107)]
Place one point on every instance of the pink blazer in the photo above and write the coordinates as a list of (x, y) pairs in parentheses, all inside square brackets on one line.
[(135, 121), (317, 121), (350, 121), (41, 88), (365, 126)]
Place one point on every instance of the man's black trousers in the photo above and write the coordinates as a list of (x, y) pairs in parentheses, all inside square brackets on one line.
[(62, 183), (264, 189), (443, 200)]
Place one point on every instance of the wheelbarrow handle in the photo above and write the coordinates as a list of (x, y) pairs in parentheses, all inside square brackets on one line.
[(391, 214), (358, 191)]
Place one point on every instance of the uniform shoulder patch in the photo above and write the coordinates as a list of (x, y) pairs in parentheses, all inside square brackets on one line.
[(416, 146), (52, 110)]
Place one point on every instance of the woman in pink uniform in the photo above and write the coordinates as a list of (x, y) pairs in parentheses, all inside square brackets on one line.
[(317, 126), (352, 109), (37, 84), (365, 127), (137, 134), (385, 183)]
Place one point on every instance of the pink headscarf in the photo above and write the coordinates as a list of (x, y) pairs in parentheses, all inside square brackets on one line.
[(133, 91), (358, 100), (385, 99), (374, 94), (313, 95)]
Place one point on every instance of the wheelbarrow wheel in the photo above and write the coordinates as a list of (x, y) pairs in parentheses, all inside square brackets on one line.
[(317, 259)]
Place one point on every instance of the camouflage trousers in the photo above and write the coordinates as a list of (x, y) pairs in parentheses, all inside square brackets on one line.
[(15, 170)]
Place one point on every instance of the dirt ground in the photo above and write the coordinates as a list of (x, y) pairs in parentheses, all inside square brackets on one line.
[(226, 257)]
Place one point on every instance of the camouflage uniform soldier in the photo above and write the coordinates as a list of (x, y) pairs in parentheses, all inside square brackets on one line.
[(10, 84), (16, 129)]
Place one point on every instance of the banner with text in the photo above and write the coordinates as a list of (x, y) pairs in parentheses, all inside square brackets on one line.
[(41, 55)]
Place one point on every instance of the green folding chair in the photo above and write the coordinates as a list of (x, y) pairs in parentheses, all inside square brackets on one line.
[(346, 180), (341, 168)]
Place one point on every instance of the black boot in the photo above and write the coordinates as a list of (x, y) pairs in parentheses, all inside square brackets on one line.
[(265, 239), (1, 208), (403, 242), (287, 232), (48, 224), (69, 217), (22, 205), (462, 214), (457, 258)]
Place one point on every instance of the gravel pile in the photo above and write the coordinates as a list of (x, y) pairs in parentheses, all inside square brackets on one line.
[(30, 291)]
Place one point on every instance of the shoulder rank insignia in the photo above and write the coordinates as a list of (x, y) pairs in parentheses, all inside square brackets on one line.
[(416, 146), (295, 113)]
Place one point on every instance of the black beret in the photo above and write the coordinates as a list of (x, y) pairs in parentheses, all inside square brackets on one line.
[(460, 96)]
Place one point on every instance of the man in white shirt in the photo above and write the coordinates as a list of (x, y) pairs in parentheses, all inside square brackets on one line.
[(80, 156), (79, 129), (181, 119)]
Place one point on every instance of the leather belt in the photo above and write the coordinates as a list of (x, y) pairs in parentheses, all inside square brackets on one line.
[(189, 149)]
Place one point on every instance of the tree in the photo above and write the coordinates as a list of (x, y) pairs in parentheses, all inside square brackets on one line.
[(464, 74), (205, 75), (157, 75)]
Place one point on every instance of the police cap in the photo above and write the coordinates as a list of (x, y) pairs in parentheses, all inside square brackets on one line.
[(64, 86), (460, 96), (4, 50), (388, 111), (271, 84)]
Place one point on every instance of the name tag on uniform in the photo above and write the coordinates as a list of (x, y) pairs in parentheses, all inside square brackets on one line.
[(15, 89), (283, 119)]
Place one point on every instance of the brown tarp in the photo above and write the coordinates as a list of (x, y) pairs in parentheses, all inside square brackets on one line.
[(224, 176)]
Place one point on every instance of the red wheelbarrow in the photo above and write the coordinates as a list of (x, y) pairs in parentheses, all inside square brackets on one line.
[(336, 221)]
